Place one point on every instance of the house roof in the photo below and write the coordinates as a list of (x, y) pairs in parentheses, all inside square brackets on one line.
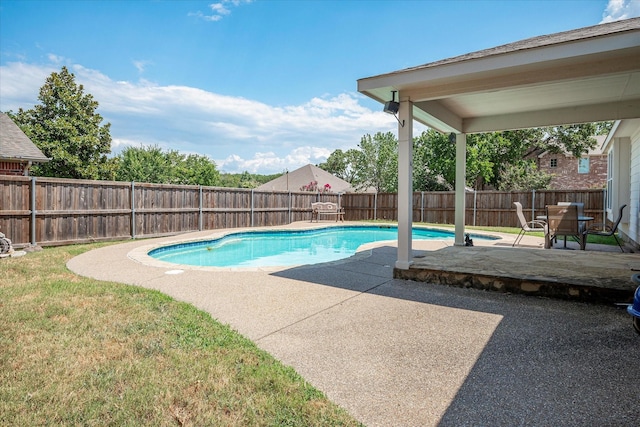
[(584, 75), (295, 180), (15, 145), (621, 129), (595, 151)]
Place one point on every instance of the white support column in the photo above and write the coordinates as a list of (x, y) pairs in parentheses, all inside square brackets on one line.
[(405, 184), (461, 173)]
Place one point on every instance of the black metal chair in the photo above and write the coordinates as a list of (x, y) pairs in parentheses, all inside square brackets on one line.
[(604, 229)]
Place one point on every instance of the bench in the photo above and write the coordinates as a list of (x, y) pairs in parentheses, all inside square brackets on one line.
[(327, 209)]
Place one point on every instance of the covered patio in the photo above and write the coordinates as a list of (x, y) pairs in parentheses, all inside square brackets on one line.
[(585, 75), (599, 275)]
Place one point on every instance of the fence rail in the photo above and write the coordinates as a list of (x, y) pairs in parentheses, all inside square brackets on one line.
[(52, 211)]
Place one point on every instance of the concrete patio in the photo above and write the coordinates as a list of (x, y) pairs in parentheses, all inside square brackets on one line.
[(405, 353)]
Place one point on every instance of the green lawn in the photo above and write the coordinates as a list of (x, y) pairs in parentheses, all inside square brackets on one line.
[(77, 351)]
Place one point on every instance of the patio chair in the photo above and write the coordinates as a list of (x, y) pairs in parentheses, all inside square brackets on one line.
[(602, 229), (563, 221), (527, 226), (581, 225)]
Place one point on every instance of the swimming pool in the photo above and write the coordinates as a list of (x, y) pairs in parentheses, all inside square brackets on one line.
[(284, 248)]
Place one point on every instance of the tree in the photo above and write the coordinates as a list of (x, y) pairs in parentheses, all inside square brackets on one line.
[(199, 170), (376, 164), (489, 155), (151, 164), (524, 176), (245, 179), (145, 164), (68, 130), (342, 164), (433, 162), (491, 158)]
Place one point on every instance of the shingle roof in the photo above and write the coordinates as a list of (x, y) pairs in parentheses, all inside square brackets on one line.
[(293, 181), (539, 41), (15, 145)]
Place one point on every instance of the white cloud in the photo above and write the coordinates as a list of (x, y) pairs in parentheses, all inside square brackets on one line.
[(55, 58), (117, 144), (20, 84), (238, 133), (219, 10), (141, 65), (201, 15), (272, 162), (621, 9)]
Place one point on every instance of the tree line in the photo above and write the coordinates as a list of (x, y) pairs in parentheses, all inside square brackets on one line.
[(497, 160), (67, 128)]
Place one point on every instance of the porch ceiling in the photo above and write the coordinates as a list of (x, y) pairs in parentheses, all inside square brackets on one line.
[(585, 75)]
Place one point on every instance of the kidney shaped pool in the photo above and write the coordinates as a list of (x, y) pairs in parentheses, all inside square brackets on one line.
[(287, 247)]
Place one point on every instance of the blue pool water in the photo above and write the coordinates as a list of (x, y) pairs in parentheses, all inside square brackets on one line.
[(284, 248)]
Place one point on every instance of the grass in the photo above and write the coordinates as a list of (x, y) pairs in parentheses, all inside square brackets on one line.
[(77, 351)]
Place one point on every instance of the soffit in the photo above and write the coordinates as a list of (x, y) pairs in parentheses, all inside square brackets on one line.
[(570, 80)]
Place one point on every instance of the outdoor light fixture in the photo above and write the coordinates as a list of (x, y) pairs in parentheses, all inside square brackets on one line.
[(392, 107)]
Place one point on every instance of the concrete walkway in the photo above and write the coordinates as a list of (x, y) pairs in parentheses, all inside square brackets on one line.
[(403, 353)]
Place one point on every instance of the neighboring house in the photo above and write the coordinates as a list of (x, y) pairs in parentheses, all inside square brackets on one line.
[(569, 172), (622, 147), (17, 152), (307, 178)]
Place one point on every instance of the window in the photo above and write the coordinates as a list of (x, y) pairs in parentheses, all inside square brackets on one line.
[(583, 165), (554, 163)]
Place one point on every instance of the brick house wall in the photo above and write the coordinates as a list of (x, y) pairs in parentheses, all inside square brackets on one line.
[(12, 168), (566, 173)]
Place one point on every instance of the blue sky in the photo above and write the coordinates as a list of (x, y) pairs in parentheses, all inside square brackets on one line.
[(263, 86)]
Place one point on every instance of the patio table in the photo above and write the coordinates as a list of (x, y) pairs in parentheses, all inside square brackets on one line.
[(581, 218)]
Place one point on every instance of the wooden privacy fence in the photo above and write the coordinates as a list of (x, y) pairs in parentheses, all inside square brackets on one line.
[(51, 211), (483, 208)]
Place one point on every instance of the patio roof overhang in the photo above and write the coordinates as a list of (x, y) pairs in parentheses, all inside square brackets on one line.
[(585, 75)]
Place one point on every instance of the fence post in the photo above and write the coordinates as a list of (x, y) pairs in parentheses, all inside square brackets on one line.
[(422, 206), (375, 206), (475, 206), (33, 211), (533, 204), (200, 213), (133, 210), (290, 208), (251, 210)]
